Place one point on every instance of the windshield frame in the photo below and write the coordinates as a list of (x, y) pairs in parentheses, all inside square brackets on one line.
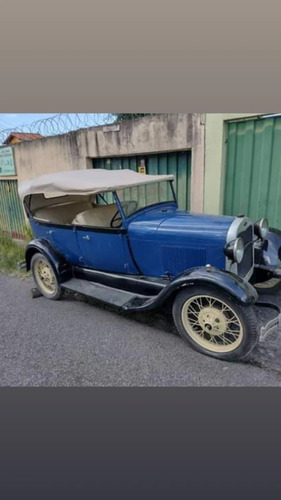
[(125, 217)]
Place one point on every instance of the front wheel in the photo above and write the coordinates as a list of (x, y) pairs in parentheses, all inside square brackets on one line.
[(214, 325), (45, 277)]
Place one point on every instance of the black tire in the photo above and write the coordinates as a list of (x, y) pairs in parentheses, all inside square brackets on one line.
[(58, 290), (245, 314)]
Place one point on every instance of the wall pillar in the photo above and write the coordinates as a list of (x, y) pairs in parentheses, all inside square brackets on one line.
[(197, 162)]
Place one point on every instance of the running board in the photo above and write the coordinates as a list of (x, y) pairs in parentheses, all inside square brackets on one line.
[(119, 298)]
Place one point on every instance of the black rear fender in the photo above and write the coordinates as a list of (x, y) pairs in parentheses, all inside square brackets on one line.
[(62, 269)]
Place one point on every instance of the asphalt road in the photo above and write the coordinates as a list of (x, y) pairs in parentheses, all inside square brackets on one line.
[(73, 342)]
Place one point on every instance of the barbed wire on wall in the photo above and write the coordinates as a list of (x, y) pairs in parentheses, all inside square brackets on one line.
[(62, 123)]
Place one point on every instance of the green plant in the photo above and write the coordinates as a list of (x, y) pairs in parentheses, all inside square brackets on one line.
[(121, 117), (11, 253), (28, 232)]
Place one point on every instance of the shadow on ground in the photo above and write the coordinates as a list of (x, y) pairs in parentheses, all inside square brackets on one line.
[(265, 355)]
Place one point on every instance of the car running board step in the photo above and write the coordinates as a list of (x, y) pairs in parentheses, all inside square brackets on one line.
[(119, 298)]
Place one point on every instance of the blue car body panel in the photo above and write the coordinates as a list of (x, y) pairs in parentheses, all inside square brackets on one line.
[(160, 243), (157, 241), (63, 238), (165, 240), (88, 247), (105, 250)]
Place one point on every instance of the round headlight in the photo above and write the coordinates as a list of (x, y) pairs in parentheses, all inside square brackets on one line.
[(261, 228), (238, 250)]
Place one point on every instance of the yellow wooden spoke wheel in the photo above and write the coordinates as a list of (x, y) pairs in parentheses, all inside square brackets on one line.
[(45, 277), (214, 324)]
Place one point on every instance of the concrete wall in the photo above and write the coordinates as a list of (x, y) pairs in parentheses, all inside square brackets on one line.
[(167, 132), (203, 134), (215, 158), (75, 150)]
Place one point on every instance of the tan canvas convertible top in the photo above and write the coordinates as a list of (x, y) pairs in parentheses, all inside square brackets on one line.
[(86, 182)]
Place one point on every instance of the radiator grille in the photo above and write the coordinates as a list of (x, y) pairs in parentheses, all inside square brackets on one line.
[(247, 263)]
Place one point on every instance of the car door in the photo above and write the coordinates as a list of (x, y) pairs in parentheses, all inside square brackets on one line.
[(105, 249), (65, 241), (62, 237)]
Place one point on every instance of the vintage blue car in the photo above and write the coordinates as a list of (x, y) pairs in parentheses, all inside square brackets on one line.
[(118, 236)]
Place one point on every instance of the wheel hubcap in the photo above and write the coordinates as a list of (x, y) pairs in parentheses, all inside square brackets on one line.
[(212, 320), (212, 323)]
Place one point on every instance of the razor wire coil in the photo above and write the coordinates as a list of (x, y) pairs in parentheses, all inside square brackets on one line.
[(63, 123)]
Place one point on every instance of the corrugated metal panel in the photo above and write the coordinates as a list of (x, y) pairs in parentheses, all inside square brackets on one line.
[(178, 164), (12, 219), (253, 174)]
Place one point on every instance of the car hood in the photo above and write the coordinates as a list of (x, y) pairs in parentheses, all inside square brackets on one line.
[(197, 225), (175, 221), (167, 240)]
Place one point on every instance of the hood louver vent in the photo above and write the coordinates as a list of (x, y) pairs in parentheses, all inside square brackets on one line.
[(176, 259)]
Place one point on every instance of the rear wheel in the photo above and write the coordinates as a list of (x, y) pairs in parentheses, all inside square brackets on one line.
[(214, 325), (45, 277)]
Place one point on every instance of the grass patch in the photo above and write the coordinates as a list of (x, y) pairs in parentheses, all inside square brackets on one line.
[(11, 253)]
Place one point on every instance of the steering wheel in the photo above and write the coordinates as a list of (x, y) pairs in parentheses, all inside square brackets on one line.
[(116, 221)]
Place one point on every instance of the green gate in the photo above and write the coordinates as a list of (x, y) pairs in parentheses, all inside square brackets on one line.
[(178, 164), (12, 221), (253, 173)]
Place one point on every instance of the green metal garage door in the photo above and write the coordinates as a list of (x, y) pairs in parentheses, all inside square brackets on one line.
[(253, 173), (178, 164), (12, 221)]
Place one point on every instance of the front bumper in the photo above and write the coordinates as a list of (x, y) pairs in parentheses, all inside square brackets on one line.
[(273, 324), (270, 327)]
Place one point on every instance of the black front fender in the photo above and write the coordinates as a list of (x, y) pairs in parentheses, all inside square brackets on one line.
[(61, 267), (267, 256), (233, 286), (272, 251)]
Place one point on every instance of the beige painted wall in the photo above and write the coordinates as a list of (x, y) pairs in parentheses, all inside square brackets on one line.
[(161, 133), (215, 158), (167, 132)]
